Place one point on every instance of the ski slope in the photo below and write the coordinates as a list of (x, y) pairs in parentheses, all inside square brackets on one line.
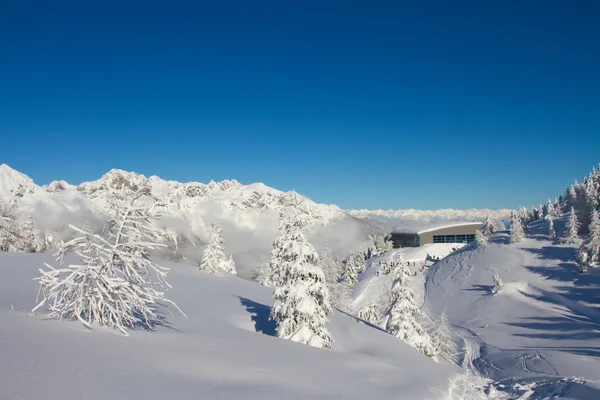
[(225, 349), (539, 336)]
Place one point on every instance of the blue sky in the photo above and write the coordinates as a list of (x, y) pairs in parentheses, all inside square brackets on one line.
[(420, 104)]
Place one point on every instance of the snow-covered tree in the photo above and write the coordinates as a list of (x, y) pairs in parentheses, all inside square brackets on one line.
[(488, 228), (354, 262), (262, 274), (10, 235), (401, 321), (31, 244), (593, 247), (571, 197), (339, 289), (516, 229), (382, 244), (117, 284), (480, 239), (550, 210), (214, 258), (550, 222), (583, 258), (571, 234), (301, 300), (370, 314), (497, 283), (441, 338)]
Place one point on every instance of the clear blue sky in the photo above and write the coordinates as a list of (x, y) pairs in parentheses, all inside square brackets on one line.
[(364, 104)]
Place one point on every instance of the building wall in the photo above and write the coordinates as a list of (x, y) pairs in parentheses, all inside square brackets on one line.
[(427, 237)]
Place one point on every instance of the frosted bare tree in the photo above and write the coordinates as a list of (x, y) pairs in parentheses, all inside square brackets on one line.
[(441, 337), (116, 284)]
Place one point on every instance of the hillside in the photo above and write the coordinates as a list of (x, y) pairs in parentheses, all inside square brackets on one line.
[(224, 349), (248, 214)]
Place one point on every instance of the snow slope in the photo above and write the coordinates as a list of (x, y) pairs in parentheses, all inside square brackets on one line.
[(540, 334), (223, 350)]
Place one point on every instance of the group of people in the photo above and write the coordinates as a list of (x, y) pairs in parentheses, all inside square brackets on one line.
[(388, 266)]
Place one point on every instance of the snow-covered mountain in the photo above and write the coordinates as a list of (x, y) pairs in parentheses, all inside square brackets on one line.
[(248, 214)]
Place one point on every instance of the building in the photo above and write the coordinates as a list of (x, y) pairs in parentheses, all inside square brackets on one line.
[(447, 232)]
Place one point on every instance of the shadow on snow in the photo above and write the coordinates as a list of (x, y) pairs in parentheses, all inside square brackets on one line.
[(260, 316)]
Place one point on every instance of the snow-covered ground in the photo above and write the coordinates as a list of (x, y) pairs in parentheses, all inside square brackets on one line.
[(223, 350), (539, 336)]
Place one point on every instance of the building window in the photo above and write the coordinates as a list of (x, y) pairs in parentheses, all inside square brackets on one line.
[(453, 238)]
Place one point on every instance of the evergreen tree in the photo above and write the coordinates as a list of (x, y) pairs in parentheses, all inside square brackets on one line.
[(516, 229), (214, 258), (11, 238), (550, 210), (551, 232), (301, 301), (480, 239), (370, 314), (572, 236), (497, 283), (441, 338), (593, 246), (114, 286), (401, 321), (31, 244), (488, 228), (354, 262)]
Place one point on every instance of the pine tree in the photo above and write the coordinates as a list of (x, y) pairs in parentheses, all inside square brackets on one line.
[(516, 229), (441, 338), (31, 244), (115, 285), (572, 236), (571, 197), (488, 228), (354, 262), (551, 232), (370, 314), (583, 258), (550, 210), (401, 321), (593, 246), (301, 301), (11, 238), (497, 283), (480, 239), (214, 258)]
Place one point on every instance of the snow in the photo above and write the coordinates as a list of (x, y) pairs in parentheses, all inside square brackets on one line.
[(543, 325), (225, 349)]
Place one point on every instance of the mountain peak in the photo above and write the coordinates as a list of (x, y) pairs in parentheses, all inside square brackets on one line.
[(14, 183)]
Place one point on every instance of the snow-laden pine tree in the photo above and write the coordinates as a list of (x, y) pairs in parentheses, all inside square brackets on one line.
[(550, 223), (301, 300), (550, 210), (571, 233), (370, 314), (497, 283), (31, 244), (262, 274), (401, 321), (214, 258), (116, 284), (488, 228), (339, 289), (288, 229), (516, 229), (441, 338), (571, 197), (382, 244), (11, 238), (593, 247), (480, 239), (354, 262)]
